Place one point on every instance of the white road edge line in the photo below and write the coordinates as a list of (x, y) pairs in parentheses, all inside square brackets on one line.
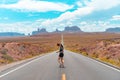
[(19, 67), (107, 65), (100, 63), (104, 64)]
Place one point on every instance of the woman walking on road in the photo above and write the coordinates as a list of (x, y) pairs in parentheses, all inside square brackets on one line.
[(61, 55)]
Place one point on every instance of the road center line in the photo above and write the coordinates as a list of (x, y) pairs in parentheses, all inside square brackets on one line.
[(63, 77)]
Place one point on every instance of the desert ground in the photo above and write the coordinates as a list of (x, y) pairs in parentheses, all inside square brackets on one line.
[(101, 46), (20, 48)]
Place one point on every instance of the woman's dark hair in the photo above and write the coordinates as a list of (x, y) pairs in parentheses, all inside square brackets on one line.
[(58, 44)]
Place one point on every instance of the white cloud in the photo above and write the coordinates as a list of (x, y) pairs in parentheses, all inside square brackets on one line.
[(28, 27), (68, 18), (86, 2), (79, 4), (116, 17), (37, 6), (83, 23), (97, 26), (72, 18), (21, 27), (103, 4)]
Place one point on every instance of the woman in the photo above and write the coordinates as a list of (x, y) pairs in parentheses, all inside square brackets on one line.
[(61, 55)]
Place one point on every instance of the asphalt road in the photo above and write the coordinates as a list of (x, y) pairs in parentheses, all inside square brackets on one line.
[(77, 67)]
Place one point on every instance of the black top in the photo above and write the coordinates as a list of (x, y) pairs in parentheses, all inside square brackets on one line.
[(61, 54), (61, 49)]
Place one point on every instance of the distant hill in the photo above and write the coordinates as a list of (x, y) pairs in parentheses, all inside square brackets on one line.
[(43, 30), (57, 30), (72, 29), (11, 34), (114, 30), (67, 29)]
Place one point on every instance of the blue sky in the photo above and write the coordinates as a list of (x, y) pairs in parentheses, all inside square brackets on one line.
[(25, 16)]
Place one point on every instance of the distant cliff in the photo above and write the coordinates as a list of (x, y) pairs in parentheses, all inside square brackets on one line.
[(39, 31), (11, 34), (67, 29), (72, 29), (57, 30), (115, 30)]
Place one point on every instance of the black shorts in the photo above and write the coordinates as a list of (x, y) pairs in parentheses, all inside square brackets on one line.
[(61, 55)]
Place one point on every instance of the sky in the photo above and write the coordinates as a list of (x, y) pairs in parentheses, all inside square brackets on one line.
[(25, 16)]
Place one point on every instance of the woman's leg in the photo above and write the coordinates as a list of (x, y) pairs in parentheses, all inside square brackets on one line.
[(59, 60), (62, 61)]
